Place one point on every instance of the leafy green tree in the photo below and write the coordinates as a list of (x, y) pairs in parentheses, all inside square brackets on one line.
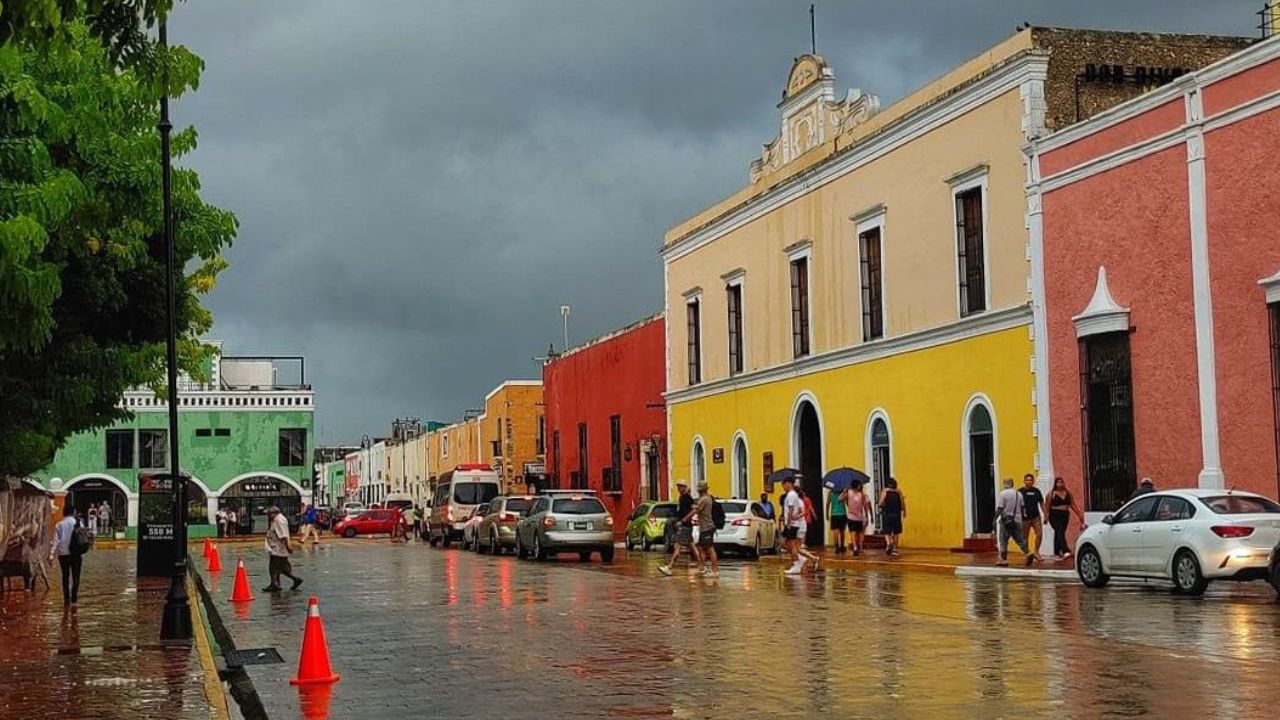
[(119, 24), (82, 265)]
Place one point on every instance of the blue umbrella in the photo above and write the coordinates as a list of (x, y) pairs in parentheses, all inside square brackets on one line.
[(779, 476), (840, 478)]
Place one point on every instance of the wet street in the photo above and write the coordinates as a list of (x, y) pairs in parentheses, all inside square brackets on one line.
[(416, 632)]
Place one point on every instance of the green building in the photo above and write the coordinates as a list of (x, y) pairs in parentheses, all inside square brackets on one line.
[(245, 439)]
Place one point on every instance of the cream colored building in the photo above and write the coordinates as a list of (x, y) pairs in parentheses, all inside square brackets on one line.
[(507, 435)]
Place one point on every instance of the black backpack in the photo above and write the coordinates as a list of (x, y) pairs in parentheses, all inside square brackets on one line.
[(717, 514), (81, 540)]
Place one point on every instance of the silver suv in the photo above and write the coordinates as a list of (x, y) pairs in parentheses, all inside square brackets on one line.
[(566, 522), (497, 530)]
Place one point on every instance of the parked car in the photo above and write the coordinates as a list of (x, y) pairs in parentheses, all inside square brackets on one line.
[(1188, 537), (352, 508), (369, 522), (1275, 570), (647, 524), (457, 493), (498, 528), (746, 529), (471, 525), (566, 522)]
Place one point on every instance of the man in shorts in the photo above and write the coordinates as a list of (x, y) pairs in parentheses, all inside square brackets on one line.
[(279, 550), (706, 531), (684, 527), (794, 525)]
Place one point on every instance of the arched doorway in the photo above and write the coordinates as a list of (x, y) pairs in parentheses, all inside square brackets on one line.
[(981, 448), (741, 486), (250, 496), (96, 491), (808, 441), (879, 457)]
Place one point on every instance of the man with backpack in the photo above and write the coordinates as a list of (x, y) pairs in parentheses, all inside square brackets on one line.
[(705, 510), (71, 541)]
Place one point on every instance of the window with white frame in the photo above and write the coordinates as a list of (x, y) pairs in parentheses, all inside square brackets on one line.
[(733, 304), (872, 272), (799, 256), (969, 191), (693, 318)]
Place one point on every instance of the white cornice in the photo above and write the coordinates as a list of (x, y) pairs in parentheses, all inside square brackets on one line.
[(964, 329), (1006, 78), (1271, 285), (1103, 314)]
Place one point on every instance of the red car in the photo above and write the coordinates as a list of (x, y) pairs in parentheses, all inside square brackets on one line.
[(369, 522)]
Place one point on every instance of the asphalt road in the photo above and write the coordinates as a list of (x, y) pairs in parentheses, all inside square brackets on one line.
[(421, 632)]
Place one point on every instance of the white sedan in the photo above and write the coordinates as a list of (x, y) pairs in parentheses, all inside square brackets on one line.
[(746, 529), (1188, 537)]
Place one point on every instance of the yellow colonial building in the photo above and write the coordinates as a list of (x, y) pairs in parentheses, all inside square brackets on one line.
[(867, 300), (864, 302)]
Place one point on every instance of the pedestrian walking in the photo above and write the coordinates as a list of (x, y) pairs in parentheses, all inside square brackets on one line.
[(1033, 513), (767, 507), (1061, 507), (279, 550), (417, 520), (233, 522), (70, 555), (893, 508), (704, 511), (1009, 523), (857, 510), (837, 517), (221, 518), (796, 524), (1144, 487), (104, 519), (684, 528), (308, 529), (93, 518)]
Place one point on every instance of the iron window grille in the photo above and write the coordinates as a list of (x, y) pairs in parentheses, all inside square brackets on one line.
[(800, 307), (969, 252), (872, 300), (693, 315), (613, 478), (1106, 391), (583, 468), (1274, 311), (733, 296)]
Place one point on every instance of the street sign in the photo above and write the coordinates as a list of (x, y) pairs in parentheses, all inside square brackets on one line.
[(156, 549)]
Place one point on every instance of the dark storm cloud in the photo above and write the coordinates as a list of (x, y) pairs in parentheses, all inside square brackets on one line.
[(421, 184)]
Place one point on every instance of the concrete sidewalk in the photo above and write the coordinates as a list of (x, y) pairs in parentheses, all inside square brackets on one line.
[(938, 560), (102, 659)]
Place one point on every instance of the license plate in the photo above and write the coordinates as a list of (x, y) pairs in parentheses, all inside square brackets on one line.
[(581, 526)]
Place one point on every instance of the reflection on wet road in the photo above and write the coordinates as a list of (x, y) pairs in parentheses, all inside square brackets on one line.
[(447, 633)]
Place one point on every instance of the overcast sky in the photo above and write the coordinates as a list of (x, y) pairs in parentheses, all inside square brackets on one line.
[(420, 183)]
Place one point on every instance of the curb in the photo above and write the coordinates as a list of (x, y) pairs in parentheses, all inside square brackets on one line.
[(213, 691), (996, 571)]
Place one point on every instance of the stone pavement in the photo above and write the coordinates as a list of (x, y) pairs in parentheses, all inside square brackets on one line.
[(941, 561), (101, 660), (422, 632)]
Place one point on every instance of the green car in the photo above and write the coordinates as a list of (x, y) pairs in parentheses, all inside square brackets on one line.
[(647, 525)]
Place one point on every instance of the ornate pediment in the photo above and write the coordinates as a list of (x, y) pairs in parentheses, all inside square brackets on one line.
[(811, 114)]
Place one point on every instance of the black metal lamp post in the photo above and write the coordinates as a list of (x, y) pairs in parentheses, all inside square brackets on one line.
[(175, 627)]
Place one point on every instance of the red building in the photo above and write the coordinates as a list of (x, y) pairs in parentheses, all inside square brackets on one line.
[(1158, 227), (605, 422)]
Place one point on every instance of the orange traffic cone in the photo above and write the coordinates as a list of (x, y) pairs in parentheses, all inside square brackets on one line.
[(208, 547), (215, 560), (240, 591), (313, 664)]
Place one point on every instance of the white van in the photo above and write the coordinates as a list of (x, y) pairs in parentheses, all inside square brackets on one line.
[(457, 493)]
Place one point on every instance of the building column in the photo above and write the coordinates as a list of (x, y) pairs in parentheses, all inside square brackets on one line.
[(211, 506), (131, 503), (1211, 475)]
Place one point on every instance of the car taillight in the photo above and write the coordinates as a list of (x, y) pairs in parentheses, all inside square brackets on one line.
[(548, 522), (1232, 531), (507, 517), (608, 520), (741, 522)]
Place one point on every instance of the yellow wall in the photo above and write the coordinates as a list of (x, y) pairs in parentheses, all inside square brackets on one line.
[(471, 441), (924, 393), (918, 241)]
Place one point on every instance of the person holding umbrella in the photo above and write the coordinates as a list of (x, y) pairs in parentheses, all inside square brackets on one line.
[(837, 482), (857, 508)]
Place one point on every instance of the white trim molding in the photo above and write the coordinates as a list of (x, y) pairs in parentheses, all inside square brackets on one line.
[(963, 181), (1271, 285), (956, 331), (877, 413), (739, 436), (802, 397), (697, 444), (865, 221), (1039, 315), (736, 278), (1103, 314)]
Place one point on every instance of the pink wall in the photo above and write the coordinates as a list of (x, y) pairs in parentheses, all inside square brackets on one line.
[(1162, 118), (1241, 88), (1243, 191), (1134, 221)]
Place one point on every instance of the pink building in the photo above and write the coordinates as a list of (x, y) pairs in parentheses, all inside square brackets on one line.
[(1155, 249)]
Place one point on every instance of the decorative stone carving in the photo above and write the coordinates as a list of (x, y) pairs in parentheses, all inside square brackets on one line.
[(1103, 314), (811, 115)]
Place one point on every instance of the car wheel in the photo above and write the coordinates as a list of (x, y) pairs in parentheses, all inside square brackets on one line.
[(647, 544), (1275, 579), (494, 547), (1089, 568), (519, 548), (1187, 578), (584, 557), (630, 545), (606, 554), (444, 539), (539, 552), (349, 533), (755, 552)]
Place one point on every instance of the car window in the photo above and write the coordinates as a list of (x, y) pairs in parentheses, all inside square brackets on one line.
[(482, 510), (1241, 504), (578, 506), (1174, 508), (663, 511), (638, 512), (757, 510), (1137, 511), (518, 505), (734, 508), (474, 493)]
